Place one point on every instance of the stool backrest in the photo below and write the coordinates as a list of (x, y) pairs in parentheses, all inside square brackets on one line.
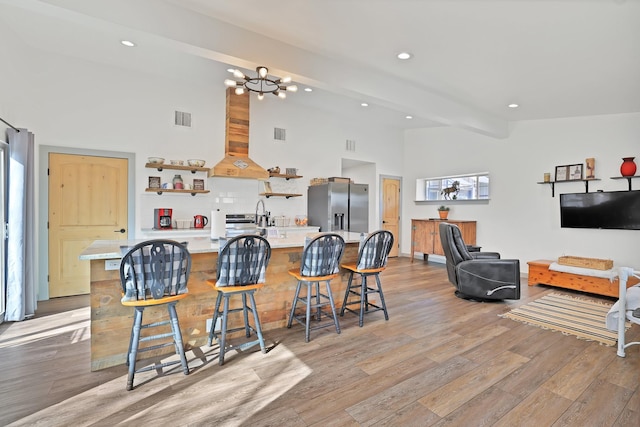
[(155, 269), (243, 261), (322, 255), (374, 251)]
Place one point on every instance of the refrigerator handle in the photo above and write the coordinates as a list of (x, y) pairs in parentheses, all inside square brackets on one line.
[(338, 221)]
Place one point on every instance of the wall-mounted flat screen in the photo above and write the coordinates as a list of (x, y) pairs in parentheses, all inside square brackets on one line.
[(609, 210)]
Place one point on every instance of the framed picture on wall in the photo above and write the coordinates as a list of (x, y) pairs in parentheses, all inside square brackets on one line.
[(198, 184), (154, 182), (575, 171), (562, 173)]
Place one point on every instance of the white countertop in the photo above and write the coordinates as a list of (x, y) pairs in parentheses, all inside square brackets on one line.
[(114, 249)]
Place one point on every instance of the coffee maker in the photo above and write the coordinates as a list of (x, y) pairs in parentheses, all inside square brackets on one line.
[(162, 218)]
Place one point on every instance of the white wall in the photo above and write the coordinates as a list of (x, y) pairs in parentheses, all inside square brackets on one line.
[(522, 220)]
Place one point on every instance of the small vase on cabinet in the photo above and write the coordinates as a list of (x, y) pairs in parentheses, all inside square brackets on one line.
[(628, 167)]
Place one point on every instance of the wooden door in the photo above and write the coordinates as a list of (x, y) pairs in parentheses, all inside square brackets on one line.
[(87, 202), (391, 211)]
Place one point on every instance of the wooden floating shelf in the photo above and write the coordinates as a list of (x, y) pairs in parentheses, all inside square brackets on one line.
[(162, 166), (280, 175), (287, 195), (167, 190)]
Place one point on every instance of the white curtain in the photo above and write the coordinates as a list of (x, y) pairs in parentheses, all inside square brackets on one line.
[(21, 284)]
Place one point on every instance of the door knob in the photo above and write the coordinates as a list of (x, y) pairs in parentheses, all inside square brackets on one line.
[(122, 230)]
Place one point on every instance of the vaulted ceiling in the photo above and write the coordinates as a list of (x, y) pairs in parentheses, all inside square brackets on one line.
[(471, 58)]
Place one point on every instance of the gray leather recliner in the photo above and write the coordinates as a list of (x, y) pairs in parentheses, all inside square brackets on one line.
[(478, 275)]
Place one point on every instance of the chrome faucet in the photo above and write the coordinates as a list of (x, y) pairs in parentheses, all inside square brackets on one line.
[(262, 220)]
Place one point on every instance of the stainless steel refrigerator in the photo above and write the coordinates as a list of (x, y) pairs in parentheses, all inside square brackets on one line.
[(338, 206)]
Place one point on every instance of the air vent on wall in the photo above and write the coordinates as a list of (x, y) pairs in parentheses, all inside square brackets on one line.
[(350, 145), (183, 119), (279, 134)]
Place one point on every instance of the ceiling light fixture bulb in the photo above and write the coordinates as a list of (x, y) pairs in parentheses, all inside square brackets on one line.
[(292, 88), (260, 96), (262, 71), (239, 91), (238, 74), (404, 55), (286, 79), (282, 95), (230, 83)]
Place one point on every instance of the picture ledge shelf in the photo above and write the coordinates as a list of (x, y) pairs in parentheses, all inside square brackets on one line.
[(553, 184)]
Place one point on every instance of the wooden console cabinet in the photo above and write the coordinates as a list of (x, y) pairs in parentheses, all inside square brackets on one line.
[(425, 235)]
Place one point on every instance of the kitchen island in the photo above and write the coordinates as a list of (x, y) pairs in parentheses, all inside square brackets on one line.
[(111, 321)]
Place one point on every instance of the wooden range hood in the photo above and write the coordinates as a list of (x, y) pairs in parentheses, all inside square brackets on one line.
[(236, 162)]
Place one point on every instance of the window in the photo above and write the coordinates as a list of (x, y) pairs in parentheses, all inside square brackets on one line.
[(461, 187)]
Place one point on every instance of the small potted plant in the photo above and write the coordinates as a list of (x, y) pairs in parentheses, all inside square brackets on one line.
[(443, 211)]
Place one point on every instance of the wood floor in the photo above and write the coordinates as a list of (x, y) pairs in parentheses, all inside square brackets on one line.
[(439, 360)]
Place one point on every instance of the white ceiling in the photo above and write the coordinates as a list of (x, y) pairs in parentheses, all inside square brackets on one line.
[(556, 58)]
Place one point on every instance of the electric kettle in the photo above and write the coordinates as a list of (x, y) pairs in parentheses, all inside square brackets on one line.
[(199, 221)]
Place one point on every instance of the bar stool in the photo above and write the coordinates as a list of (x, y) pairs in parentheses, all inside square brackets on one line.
[(242, 264), (320, 263), (372, 260), (154, 273)]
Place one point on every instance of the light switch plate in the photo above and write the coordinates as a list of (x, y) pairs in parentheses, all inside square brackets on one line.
[(111, 264)]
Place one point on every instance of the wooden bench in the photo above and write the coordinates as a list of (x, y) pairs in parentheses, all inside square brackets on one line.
[(539, 273)]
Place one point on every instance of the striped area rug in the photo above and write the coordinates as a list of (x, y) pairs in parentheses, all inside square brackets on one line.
[(582, 318)]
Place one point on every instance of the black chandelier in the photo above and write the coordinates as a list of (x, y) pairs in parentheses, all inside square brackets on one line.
[(261, 84)]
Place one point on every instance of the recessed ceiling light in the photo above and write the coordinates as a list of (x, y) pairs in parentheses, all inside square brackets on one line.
[(404, 55), (308, 89), (128, 43), (364, 104), (408, 117), (513, 106)]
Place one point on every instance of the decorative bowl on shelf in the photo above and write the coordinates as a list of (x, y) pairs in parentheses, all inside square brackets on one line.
[(196, 163), (156, 160), (177, 162)]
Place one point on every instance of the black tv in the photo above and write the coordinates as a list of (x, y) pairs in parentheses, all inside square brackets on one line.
[(609, 210)]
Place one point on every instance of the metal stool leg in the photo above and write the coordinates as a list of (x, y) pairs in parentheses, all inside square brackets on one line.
[(364, 301), (135, 342), (346, 294), (384, 306), (333, 308), (214, 318), (308, 317), (223, 330), (247, 329), (293, 306), (256, 320), (177, 337)]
